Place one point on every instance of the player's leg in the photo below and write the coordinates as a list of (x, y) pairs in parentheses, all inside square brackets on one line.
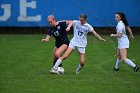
[(82, 59), (59, 61), (66, 55), (118, 61), (124, 58), (59, 52), (53, 55), (82, 62)]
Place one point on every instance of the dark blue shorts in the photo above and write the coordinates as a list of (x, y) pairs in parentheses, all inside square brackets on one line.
[(58, 44)]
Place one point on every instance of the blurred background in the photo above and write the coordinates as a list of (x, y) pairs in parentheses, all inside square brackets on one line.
[(30, 16)]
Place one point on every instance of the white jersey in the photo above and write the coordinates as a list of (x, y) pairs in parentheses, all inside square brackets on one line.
[(121, 29), (123, 41), (80, 33)]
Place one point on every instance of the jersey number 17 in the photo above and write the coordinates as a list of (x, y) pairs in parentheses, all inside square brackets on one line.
[(56, 33)]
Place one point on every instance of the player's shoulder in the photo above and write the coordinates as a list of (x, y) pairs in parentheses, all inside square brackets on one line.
[(120, 23), (50, 30), (62, 22), (88, 25), (76, 21)]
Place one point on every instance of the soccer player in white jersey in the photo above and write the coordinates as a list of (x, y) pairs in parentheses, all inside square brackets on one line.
[(123, 41), (79, 41)]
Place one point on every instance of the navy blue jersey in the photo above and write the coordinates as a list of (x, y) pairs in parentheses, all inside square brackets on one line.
[(59, 33)]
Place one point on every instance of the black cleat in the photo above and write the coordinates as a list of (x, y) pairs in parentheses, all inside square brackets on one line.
[(116, 69), (136, 68)]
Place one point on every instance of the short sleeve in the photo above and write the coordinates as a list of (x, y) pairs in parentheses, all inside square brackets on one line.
[(63, 24), (49, 31), (90, 28), (74, 22), (119, 29)]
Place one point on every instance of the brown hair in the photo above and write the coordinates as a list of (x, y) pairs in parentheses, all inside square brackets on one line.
[(123, 18), (83, 16)]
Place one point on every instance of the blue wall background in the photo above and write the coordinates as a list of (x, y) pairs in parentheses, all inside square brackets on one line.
[(100, 12)]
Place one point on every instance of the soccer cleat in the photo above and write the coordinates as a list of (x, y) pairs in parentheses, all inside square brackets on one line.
[(116, 69), (77, 71), (54, 71), (136, 68)]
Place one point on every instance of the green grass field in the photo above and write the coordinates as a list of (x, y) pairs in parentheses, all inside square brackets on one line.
[(25, 63)]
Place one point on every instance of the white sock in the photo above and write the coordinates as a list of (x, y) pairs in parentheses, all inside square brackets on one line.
[(117, 63), (130, 63), (58, 62), (79, 67)]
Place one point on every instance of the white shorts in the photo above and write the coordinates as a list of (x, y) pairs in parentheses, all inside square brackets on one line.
[(123, 43), (80, 49)]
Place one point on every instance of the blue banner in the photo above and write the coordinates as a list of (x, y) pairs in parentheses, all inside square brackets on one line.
[(34, 12)]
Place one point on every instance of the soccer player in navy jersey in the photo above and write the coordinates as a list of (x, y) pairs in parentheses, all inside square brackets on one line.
[(58, 30)]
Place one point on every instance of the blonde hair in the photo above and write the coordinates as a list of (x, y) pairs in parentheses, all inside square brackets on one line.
[(51, 16)]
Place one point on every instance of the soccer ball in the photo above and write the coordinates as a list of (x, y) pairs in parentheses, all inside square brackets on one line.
[(60, 70)]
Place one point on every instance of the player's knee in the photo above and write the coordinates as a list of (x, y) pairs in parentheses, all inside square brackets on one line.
[(65, 56), (123, 59), (57, 54)]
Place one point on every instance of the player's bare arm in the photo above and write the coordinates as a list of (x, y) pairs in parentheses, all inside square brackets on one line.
[(69, 25), (46, 39), (98, 36), (130, 32), (116, 35)]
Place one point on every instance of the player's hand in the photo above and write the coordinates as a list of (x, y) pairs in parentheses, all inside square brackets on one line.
[(102, 39), (44, 40), (132, 37), (112, 35), (67, 29)]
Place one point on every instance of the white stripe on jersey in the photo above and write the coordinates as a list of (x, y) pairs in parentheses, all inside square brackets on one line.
[(80, 33)]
